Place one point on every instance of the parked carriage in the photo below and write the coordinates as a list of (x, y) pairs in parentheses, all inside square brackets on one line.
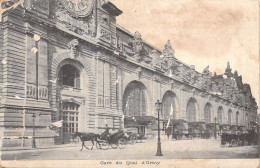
[(225, 128), (239, 139), (196, 129), (210, 130), (139, 126), (180, 129)]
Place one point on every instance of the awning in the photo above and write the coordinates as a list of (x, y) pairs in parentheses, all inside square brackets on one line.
[(139, 120)]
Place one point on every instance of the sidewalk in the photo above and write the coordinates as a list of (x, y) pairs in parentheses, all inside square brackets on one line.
[(42, 147)]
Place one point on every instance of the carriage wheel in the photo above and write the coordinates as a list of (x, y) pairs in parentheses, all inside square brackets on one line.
[(122, 143), (102, 145), (114, 145)]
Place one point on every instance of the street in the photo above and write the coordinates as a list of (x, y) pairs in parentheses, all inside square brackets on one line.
[(183, 149)]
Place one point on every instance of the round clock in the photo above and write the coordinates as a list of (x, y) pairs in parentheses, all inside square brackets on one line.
[(78, 8)]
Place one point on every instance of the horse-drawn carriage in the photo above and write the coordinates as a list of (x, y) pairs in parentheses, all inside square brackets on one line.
[(114, 140), (239, 139)]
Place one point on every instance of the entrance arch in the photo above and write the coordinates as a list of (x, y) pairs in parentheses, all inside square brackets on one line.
[(192, 110), (208, 113), (220, 115), (135, 99), (169, 105)]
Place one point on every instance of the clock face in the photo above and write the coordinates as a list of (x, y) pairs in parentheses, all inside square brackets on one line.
[(78, 8)]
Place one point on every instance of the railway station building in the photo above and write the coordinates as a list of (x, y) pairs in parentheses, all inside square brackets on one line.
[(62, 60)]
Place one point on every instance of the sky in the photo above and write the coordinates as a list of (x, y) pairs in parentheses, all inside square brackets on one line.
[(202, 32)]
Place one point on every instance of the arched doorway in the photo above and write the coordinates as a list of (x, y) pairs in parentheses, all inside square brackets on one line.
[(134, 100), (168, 111), (220, 114), (135, 106), (69, 98), (168, 106), (207, 113), (191, 110), (229, 116)]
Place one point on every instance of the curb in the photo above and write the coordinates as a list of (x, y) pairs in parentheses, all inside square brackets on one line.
[(47, 147)]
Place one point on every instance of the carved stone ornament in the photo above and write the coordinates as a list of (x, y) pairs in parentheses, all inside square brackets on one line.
[(206, 72), (138, 72), (79, 16), (141, 54), (78, 8), (168, 54), (157, 78), (74, 47)]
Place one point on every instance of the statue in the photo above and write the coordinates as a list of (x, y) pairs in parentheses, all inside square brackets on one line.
[(168, 54), (206, 72), (73, 45), (168, 51), (138, 47)]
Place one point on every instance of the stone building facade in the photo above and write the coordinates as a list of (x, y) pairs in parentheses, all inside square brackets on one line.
[(69, 61)]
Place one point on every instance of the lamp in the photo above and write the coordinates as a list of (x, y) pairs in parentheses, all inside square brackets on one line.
[(158, 108)]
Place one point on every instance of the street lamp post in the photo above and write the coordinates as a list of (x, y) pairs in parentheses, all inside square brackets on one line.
[(215, 128), (33, 138), (159, 150)]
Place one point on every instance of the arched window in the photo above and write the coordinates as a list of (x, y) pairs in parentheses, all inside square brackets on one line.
[(220, 113), (237, 115), (207, 113), (134, 100), (168, 106), (69, 76), (229, 117), (191, 110)]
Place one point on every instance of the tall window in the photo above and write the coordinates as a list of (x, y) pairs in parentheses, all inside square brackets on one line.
[(229, 117), (207, 113), (70, 117), (237, 115), (191, 110), (220, 113), (69, 76), (134, 100), (168, 106)]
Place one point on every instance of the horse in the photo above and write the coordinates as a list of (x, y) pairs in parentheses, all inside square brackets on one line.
[(86, 137)]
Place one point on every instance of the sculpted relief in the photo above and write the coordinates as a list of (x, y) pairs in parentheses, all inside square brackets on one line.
[(80, 17)]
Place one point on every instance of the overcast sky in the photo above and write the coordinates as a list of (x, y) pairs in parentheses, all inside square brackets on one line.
[(202, 32)]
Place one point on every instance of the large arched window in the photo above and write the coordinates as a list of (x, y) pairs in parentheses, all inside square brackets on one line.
[(169, 105), (69, 76), (207, 113), (220, 114), (237, 117), (191, 110), (134, 102), (229, 117)]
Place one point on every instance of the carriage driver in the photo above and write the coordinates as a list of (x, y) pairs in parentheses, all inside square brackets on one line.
[(105, 134)]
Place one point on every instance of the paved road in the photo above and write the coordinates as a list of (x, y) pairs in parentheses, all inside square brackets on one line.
[(184, 149)]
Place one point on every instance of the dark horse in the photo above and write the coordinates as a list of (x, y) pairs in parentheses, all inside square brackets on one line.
[(86, 137)]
